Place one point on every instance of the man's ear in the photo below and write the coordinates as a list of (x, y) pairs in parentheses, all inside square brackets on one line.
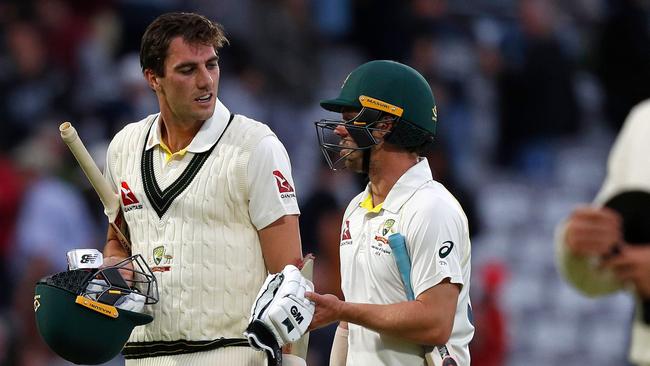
[(386, 125), (152, 79)]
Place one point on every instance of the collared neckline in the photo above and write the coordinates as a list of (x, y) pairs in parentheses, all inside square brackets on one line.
[(208, 134), (367, 204), (403, 189)]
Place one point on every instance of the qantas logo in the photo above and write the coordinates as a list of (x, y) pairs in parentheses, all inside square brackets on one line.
[(346, 238), (282, 182), (346, 231), (284, 187), (128, 198)]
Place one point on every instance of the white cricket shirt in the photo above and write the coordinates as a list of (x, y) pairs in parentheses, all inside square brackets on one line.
[(270, 183), (198, 231), (432, 221)]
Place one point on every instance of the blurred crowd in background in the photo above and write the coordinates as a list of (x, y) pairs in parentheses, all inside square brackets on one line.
[(530, 95)]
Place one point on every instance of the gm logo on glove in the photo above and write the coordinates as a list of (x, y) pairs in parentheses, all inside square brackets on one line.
[(296, 315)]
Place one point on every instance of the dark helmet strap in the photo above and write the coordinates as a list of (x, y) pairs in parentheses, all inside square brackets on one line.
[(366, 161)]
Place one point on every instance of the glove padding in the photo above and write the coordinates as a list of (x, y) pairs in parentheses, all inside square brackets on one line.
[(280, 313)]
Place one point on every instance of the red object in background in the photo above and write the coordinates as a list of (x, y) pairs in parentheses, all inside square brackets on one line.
[(11, 191), (490, 343)]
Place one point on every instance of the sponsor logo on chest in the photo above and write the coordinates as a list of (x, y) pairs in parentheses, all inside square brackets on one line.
[(380, 245), (346, 237), (129, 201), (162, 261)]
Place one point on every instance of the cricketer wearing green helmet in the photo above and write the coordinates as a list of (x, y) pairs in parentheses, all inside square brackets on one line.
[(380, 91), (405, 252), (86, 316)]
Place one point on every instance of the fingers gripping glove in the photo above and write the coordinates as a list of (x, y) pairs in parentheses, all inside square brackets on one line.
[(280, 313)]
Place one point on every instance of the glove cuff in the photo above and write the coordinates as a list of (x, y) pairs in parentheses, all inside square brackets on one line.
[(261, 338)]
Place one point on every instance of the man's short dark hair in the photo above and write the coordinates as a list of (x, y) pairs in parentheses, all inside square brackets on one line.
[(193, 28)]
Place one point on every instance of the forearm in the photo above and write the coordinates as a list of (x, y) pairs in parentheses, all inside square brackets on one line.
[(280, 243), (113, 247), (410, 320)]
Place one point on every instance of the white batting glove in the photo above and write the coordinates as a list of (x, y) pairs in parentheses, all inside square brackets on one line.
[(280, 313)]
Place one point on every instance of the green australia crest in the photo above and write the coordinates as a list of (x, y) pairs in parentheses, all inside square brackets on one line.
[(158, 254), (388, 224)]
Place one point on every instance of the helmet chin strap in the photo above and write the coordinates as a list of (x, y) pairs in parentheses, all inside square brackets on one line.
[(365, 166)]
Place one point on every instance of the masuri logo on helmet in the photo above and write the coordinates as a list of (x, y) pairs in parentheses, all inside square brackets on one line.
[(78, 312)]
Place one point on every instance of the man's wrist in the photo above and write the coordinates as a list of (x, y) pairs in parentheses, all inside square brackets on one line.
[(343, 311)]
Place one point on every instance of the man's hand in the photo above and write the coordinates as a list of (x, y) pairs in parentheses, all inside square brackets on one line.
[(280, 313), (632, 265), (328, 309), (592, 231)]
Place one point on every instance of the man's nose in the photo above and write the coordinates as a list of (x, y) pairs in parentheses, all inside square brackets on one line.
[(204, 79), (341, 131)]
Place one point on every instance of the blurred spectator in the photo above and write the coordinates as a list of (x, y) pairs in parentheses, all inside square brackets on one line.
[(623, 57), (284, 46), (11, 191), (33, 88), (135, 15), (333, 18), (381, 29), (63, 31), (483, 95), (537, 98)]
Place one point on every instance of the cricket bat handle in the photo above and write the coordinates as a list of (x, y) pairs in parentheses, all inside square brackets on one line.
[(109, 199)]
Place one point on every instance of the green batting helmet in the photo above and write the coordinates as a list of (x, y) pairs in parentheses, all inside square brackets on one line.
[(379, 88), (78, 313)]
